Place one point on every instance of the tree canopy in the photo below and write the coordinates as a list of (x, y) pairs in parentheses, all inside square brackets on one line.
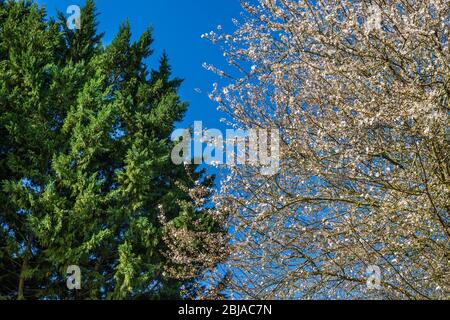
[(360, 93), (85, 171)]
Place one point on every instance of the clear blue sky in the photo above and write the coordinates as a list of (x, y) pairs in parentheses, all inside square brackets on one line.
[(178, 25)]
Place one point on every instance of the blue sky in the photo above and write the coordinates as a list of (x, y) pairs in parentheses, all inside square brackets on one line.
[(178, 25)]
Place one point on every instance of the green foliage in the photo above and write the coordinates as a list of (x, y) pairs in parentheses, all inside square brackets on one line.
[(85, 161)]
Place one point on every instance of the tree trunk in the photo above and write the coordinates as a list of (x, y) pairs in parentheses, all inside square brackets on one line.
[(20, 295)]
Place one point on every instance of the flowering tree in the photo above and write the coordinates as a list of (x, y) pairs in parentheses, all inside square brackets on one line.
[(360, 91)]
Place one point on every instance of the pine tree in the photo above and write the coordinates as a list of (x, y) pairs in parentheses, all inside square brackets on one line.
[(85, 169)]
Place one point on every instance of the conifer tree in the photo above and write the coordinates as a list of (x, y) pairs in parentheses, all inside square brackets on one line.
[(86, 177)]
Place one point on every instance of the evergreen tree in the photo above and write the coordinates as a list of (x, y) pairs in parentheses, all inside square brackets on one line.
[(85, 169)]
